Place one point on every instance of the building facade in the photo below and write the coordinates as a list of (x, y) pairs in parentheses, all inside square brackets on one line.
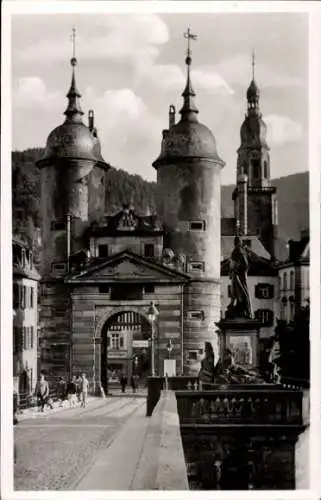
[(25, 318), (294, 278)]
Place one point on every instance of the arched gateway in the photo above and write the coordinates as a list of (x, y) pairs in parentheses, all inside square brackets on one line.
[(125, 346)]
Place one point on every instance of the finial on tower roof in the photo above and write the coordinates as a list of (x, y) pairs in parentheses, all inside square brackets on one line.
[(253, 64), (189, 107), (189, 36), (73, 60), (73, 111)]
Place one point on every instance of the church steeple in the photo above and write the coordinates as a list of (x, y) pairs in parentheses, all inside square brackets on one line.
[(73, 112), (254, 197), (189, 110)]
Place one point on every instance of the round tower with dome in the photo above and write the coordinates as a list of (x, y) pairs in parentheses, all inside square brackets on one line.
[(189, 207), (72, 183)]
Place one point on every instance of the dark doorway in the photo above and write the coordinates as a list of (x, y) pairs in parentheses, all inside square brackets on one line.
[(125, 348)]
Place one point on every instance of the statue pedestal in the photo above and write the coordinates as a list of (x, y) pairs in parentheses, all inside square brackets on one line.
[(241, 336)]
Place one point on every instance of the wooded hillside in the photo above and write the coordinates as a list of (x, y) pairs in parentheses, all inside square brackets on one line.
[(122, 187)]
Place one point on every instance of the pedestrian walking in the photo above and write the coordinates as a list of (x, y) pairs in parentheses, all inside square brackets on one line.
[(78, 388), (71, 392), (61, 390), (123, 382), (42, 393), (84, 390), (133, 383)]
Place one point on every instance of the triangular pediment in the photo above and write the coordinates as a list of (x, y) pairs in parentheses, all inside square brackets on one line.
[(126, 267)]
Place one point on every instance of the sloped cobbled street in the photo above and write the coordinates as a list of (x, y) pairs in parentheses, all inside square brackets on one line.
[(55, 449)]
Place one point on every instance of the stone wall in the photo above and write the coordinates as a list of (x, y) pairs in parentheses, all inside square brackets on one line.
[(56, 333)]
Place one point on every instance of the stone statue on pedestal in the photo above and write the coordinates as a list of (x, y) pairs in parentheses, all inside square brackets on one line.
[(229, 372), (240, 305), (207, 371)]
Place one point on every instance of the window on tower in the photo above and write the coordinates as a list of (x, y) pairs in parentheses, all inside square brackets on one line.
[(197, 225), (149, 250), (59, 267), (265, 170), (256, 168), (102, 251), (196, 266), (196, 315)]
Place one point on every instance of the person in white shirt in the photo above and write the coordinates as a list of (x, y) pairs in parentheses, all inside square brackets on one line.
[(83, 390)]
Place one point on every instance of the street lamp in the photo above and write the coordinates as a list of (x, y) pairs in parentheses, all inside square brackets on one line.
[(152, 314)]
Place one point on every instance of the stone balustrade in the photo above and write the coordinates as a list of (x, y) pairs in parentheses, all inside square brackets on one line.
[(243, 405)]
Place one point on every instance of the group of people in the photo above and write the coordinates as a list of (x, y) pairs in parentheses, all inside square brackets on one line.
[(133, 382), (75, 391)]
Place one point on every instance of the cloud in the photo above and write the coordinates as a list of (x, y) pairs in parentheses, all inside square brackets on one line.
[(237, 70), (130, 134), (211, 81), (131, 38), (170, 77), (281, 129), (31, 91)]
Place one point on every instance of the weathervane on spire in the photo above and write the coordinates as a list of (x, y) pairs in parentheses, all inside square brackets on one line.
[(73, 60), (189, 37)]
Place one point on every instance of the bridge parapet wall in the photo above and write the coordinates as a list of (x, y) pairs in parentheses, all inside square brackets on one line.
[(162, 463), (245, 405), (244, 437)]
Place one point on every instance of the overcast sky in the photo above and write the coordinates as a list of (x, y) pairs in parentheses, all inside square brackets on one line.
[(131, 68)]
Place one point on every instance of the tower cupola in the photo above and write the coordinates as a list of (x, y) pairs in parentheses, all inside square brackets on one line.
[(188, 138), (73, 139), (253, 129), (253, 92)]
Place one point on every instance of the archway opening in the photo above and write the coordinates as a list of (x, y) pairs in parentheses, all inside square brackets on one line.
[(125, 348)]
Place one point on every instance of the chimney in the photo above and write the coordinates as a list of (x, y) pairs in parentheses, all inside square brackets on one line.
[(172, 112), (91, 120)]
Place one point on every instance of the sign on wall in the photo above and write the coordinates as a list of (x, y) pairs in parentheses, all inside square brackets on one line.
[(170, 367), (140, 343)]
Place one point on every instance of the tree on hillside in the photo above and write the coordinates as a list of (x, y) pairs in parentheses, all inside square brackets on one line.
[(26, 194), (294, 339)]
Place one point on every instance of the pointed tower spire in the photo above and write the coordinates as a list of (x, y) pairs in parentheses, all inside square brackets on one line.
[(189, 110), (253, 93), (73, 112)]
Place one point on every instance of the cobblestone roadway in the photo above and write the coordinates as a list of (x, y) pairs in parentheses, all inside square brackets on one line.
[(54, 450)]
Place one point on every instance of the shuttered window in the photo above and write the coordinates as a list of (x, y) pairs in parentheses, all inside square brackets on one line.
[(264, 291), (265, 316)]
